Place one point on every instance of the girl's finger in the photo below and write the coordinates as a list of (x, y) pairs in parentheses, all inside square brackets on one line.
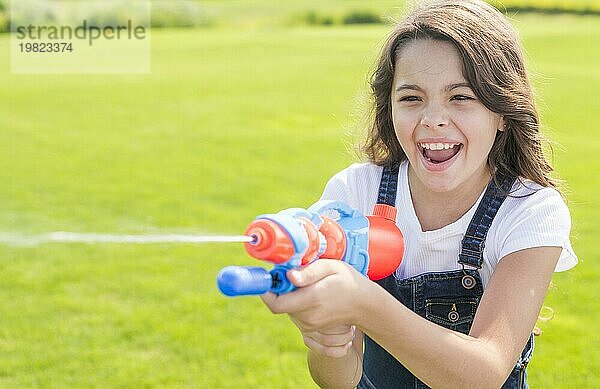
[(313, 272), (330, 351), (332, 340)]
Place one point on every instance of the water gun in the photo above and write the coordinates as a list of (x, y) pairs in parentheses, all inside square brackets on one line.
[(295, 237)]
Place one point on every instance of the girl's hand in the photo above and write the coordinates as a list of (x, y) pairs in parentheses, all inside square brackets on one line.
[(330, 294), (333, 342)]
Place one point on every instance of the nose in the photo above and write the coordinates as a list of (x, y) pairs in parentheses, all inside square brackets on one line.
[(434, 116)]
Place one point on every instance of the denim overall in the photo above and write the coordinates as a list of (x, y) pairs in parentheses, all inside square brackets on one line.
[(449, 299)]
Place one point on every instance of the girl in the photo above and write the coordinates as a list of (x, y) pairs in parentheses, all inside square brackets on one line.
[(455, 146)]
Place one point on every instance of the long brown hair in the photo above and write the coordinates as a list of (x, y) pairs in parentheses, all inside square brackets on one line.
[(494, 66)]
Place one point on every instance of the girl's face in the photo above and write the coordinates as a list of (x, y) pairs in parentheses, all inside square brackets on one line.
[(445, 131)]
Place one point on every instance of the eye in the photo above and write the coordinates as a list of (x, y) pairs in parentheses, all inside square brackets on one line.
[(461, 98), (409, 98)]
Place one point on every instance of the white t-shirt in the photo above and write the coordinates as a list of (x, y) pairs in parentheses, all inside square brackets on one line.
[(531, 216)]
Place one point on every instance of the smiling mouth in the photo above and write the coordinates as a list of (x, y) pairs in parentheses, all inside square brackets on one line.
[(439, 152)]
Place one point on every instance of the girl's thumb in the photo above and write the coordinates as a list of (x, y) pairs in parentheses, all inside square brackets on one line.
[(296, 277), (310, 274)]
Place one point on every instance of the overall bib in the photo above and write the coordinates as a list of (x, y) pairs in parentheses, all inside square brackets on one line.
[(449, 298)]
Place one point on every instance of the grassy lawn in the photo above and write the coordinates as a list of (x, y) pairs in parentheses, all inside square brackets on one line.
[(278, 13), (231, 123)]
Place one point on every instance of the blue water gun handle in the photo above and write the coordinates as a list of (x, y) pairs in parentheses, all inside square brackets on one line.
[(251, 280)]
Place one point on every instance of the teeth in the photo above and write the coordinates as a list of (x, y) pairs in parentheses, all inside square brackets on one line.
[(438, 146)]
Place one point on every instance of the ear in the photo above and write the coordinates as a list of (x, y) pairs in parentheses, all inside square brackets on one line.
[(501, 124)]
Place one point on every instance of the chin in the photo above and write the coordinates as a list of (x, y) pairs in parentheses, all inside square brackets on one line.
[(440, 187), (436, 183)]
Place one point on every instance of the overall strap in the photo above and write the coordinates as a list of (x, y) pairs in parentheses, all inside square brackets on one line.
[(388, 185), (473, 242)]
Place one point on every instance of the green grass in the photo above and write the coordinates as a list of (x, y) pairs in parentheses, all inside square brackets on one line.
[(230, 124), (555, 5), (277, 13)]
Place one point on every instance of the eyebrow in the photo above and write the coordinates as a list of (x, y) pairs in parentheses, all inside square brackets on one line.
[(408, 86), (457, 85), (447, 88)]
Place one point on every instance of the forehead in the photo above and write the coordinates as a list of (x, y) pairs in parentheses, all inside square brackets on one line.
[(428, 60)]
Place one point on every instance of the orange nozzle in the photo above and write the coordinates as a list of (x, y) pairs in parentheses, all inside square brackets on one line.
[(271, 243)]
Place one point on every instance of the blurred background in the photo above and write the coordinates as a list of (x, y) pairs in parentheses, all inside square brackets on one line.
[(249, 108)]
